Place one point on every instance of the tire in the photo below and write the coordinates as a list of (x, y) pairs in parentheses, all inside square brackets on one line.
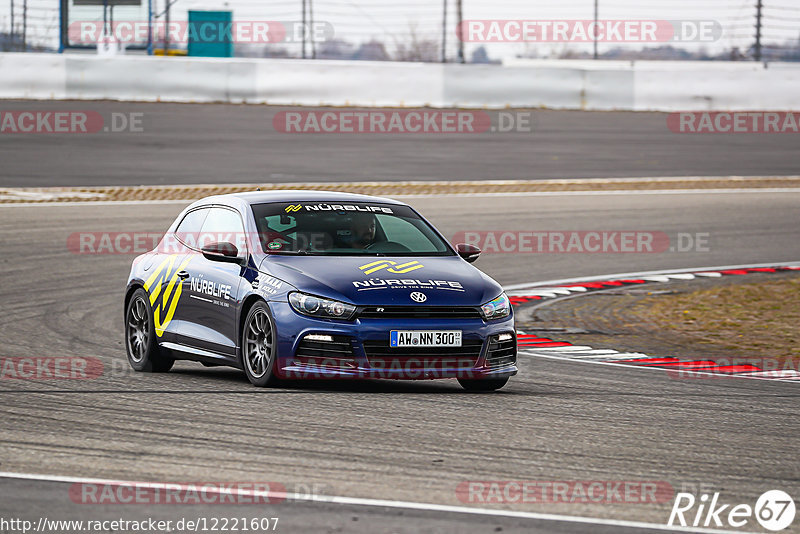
[(258, 346), (143, 351), (487, 384)]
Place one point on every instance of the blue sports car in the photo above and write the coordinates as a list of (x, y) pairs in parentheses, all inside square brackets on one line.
[(307, 284)]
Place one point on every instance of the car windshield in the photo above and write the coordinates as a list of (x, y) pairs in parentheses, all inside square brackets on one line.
[(345, 229)]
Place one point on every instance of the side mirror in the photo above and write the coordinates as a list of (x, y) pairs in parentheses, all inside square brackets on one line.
[(222, 251), (469, 252)]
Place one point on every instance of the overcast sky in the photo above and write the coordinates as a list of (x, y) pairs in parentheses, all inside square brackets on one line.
[(393, 22)]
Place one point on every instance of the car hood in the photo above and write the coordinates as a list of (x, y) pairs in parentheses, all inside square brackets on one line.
[(370, 280)]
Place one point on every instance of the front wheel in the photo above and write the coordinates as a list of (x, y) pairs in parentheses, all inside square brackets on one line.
[(140, 337), (258, 346), (487, 384)]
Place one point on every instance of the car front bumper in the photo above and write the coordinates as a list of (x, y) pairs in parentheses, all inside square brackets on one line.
[(360, 348)]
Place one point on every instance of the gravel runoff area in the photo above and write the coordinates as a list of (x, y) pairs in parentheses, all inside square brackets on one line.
[(756, 318)]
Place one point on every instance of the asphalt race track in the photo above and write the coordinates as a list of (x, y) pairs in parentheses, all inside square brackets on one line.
[(556, 421), (192, 143)]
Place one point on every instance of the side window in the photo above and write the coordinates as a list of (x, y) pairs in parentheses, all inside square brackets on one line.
[(192, 222), (188, 230), (223, 225)]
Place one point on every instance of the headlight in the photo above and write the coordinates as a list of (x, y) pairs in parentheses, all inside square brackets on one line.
[(320, 307), (497, 308)]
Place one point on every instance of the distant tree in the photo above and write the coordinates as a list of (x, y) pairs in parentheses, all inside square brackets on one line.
[(248, 50), (335, 49), (480, 55), (426, 51), (735, 54), (6, 42), (417, 49), (371, 51), (275, 51)]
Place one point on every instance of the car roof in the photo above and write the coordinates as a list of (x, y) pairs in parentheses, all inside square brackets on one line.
[(304, 195)]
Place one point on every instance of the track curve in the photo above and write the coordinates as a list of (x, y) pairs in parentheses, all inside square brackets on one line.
[(556, 421)]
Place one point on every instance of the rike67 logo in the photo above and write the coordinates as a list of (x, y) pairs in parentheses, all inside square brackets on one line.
[(774, 510)]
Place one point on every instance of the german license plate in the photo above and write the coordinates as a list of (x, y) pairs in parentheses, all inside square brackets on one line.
[(425, 338)]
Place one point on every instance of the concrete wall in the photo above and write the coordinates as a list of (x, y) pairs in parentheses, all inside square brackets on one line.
[(603, 85)]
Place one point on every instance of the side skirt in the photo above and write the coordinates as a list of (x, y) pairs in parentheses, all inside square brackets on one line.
[(185, 352)]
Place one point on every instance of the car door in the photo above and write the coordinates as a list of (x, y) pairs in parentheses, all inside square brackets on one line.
[(213, 286), (166, 274)]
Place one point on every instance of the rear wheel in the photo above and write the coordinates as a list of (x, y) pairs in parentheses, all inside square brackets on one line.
[(258, 346), (487, 384), (140, 337)]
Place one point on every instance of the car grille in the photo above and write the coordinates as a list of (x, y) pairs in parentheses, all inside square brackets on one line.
[(501, 353), (337, 353), (382, 356), (420, 312)]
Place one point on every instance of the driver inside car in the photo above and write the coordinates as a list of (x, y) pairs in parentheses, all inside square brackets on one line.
[(360, 232)]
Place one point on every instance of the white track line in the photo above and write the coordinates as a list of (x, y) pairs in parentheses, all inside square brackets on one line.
[(662, 279), (655, 367), (609, 192), (565, 348), (778, 373), (607, 358), (357, 501), (94, 203), (598, 354)]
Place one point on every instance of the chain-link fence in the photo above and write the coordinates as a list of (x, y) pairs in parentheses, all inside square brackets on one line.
[(421, 30)]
